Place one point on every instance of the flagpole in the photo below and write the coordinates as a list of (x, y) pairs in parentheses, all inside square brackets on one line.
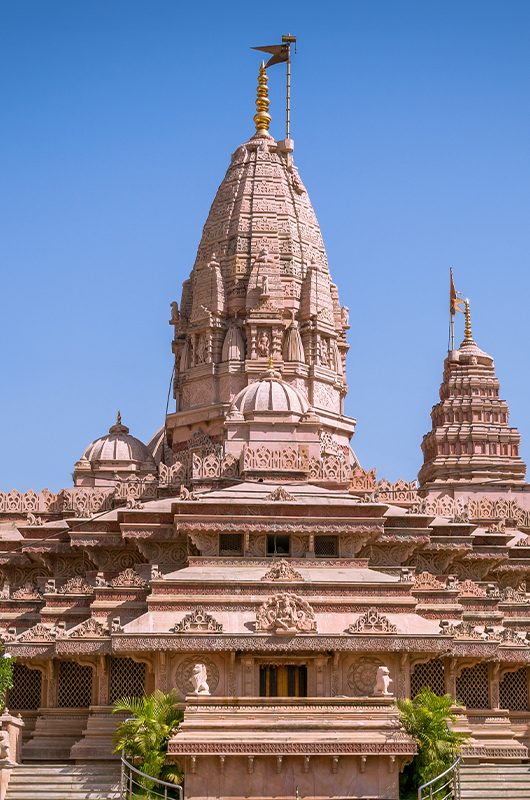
[(288, 40)]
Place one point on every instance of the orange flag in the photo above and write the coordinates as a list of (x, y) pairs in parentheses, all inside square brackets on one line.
[(454, 303)]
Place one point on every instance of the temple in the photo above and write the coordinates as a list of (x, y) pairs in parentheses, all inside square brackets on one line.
[(244, 558)]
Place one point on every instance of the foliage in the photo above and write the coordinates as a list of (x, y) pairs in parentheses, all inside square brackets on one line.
[(144, 736), (7, 666), (427, 719)]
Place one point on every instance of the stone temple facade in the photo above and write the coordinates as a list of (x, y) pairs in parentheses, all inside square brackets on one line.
[(244, 558)]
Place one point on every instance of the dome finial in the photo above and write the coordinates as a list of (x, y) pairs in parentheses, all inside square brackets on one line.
[(118, 418), (262, 118), (468, 336)]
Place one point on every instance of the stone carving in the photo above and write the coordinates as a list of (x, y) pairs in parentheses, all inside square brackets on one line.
[(285, 614), (511, 595), (91, 628), (29, 591), (463, 630), (38, 633), (372, 622), (128, 579), (263, 344), (34, 520), (427, 581), (5, 744), (282, 571), (206, 543), (280, 494), (198, 680), (362, 480), (197, 622), (76, 585), (185, 669), (382, 682), (361, 676), (469, 588)]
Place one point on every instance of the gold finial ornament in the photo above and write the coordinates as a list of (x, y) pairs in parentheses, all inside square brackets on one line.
[(262, 118), (271, 361), (118, 418), (468, 336)]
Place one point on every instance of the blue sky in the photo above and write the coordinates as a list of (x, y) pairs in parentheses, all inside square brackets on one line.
[(411, 123)]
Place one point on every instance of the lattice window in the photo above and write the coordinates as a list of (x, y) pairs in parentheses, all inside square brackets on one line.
[(231, 544), (513, 690), (75, 685), (26, 692), (472, 686), (326, 546), (430, 674), (127, 678)]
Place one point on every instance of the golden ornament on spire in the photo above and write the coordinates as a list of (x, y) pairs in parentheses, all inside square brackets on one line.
[(118, 418), (468, 336), (262, 118)]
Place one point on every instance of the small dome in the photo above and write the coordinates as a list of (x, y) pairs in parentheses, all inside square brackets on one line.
[(271, 395), (118, 445)]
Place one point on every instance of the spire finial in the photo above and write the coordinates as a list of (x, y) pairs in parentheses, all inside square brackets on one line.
[(271, 361), (262, 118), (118, 418), (468, 336)]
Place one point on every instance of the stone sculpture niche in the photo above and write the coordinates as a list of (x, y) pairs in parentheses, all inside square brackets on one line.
[(382, 682), (199, 680)]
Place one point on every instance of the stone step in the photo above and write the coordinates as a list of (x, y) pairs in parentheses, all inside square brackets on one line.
[(495, 782), (60, 781)]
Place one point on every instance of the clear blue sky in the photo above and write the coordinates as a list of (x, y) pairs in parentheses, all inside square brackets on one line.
[(412, 130)]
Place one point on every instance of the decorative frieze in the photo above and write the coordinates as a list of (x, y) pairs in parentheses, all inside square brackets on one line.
[(372, 622), (197, 622)]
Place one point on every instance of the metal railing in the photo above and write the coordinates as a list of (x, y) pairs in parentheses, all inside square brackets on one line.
[(444, 787), (136, 785)]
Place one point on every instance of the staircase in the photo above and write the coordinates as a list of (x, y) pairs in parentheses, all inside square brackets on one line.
[(495, 782), (84, 781)]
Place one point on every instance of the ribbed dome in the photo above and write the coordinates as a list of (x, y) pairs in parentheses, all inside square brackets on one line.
[(270, 394), (118, 445)]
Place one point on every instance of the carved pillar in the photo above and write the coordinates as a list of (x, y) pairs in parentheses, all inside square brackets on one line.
[(247, 665), (402, 680), (161, 677), (335, 675), (450, 676), (320, 664), (102, 673), (50, 692), (231, 676), (494, 680)]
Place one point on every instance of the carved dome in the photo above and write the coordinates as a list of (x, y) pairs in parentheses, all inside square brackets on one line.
[(118, 445), (270, 394), (115, 453)]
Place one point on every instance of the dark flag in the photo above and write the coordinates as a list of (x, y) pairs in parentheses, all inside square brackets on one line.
[(280, 53)]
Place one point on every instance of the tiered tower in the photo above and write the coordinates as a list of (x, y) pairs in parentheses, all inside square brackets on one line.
[(471, 441), (260, 296)]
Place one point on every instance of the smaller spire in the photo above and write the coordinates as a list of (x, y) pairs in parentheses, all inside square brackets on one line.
[(262, 118), (118, 418)]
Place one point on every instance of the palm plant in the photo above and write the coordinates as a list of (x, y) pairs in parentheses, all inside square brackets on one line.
[(427, 719), (144, 736)]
